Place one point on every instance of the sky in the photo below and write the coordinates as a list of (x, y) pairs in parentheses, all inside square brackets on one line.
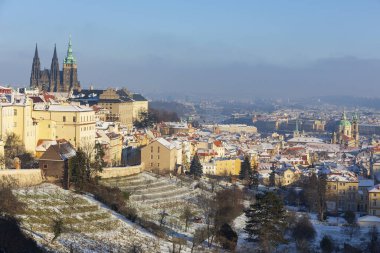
[(223, 48)]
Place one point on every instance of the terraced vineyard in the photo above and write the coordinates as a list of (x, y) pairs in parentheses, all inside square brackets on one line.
[(89, 227), (152, 195)]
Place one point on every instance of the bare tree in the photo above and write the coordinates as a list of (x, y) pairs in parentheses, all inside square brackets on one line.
[(200, 235), (13, 147), (351, 228), (209, 208), (186, 215), (163, 216)]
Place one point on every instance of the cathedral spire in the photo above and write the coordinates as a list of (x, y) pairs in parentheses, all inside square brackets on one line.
[(36, 52), (70, 58), (54, 84), (55, 52)]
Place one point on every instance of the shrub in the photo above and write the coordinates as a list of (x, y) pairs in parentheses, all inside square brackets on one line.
[(111, 196), (227, 237), (152, 227), (326, 244), (303, 230), (129, 212)]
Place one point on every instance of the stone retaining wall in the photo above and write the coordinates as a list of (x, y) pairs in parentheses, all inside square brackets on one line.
[(121, 171), (21, 178)]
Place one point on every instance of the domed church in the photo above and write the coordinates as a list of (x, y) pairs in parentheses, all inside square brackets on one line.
[(347, 133)]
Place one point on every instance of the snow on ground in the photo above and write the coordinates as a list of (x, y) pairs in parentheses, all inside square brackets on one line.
[(152, 195), (90, 226), (333, 226)]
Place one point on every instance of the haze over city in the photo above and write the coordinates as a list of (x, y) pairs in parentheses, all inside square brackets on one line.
[(224, 48)]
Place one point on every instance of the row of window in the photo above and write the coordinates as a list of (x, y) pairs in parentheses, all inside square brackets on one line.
[(350, 188), (82, 118), (151, 157), (87, 128)]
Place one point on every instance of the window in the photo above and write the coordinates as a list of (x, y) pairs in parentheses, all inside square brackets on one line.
[(151, 157), (151, 149), (158, 164), (151, 164), (15, 112), (74, 119), (64, 118), (45, 166), (158, 157), (158, 149)]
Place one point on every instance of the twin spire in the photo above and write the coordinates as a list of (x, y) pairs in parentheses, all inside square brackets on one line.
[(70, 59)]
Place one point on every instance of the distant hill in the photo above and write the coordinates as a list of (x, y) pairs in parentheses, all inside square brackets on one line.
[(180, 109)]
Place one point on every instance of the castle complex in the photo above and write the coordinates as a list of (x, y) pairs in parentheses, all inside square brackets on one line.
[(54, 79)]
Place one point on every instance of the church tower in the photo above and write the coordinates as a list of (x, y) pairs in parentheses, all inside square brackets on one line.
[(55, 76), (36, 71), (355, 129), (296, 132), (70, 75)]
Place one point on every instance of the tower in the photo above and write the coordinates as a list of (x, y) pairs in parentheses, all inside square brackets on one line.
[(296, 132), (344, 128), (55, 76), (355, 129), (70, 75), (36, 70)]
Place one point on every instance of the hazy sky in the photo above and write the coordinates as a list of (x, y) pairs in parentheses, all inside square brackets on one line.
[(255, 48)]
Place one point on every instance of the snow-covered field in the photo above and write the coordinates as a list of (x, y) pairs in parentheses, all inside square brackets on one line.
[(89, 226)]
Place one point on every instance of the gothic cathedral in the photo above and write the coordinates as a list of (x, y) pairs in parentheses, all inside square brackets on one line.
[(53, 79)]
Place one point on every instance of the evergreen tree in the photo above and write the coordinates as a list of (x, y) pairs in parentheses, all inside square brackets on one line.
[(196, 168), (78, 169), (321, 198), (245, 169), (146, 119), (266, 221), (98, 163), (272, 178), (254, 182)]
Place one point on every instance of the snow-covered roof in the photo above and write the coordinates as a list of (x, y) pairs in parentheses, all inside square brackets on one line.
[(62, 108), (305, 140), (165, 143), (369, 218), (375, 189)]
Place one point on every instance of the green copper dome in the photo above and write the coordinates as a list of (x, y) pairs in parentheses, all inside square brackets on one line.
[(344, 121), (69, 58)]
